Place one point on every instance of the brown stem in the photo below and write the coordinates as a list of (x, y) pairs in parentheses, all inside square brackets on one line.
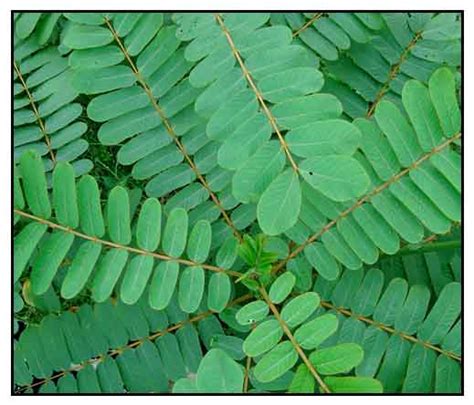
[(308, 23)]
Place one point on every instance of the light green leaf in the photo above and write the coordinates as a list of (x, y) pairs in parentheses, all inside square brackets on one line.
[(135, 278), (338, 177), (281, 287), (23, 246), (300, 308), (218, 294), (279, 205), (303, 382), (311, 334), (218, 373), (265, 336), (149, 225), (191, 288), (353, 385), (322, 138), (276, 362), (252, 312), (442, 90), (80, 36), (64, 195), (90, 211), (80, 269), (34, 184), (175, 233), (118, 216), (50, 255), (163, 284), (199, 241), (108, 273), (337, 359)]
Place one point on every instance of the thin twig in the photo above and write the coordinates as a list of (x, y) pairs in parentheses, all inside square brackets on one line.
[(308, 23), (247, 371)]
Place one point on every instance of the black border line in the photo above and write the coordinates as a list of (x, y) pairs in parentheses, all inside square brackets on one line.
[(12, 392)]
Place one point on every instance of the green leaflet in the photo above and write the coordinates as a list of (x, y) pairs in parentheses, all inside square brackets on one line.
[(338, 177), (337, 359), (265, 336), (51, 253), (353, 385), (291, 83), (90, 211), (390, 304), (443, 314), (82, 36), (443, 95), (118, 216), (218, 293), (420, 358), (311, 334), (64, 195), (251, 180), (276, 362), (103, 80), (279, 205), (191, 288), (135, 278), (199, 241), (324, 263), (303, 382), (300, 308), (96, 57), (163, 284), (366, 298), (23, 246), (448, 375), (218, 373), (149, 225), (301, 111), (185, 386), (34, 184), (80, 269), (322, 138), (175, 233), (227, 253), (108, 273), (399, 133), (252, 312), (281, 287), (230, 344), (418, 105)]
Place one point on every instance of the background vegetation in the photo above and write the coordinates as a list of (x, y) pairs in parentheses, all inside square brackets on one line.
[(232, 202)]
